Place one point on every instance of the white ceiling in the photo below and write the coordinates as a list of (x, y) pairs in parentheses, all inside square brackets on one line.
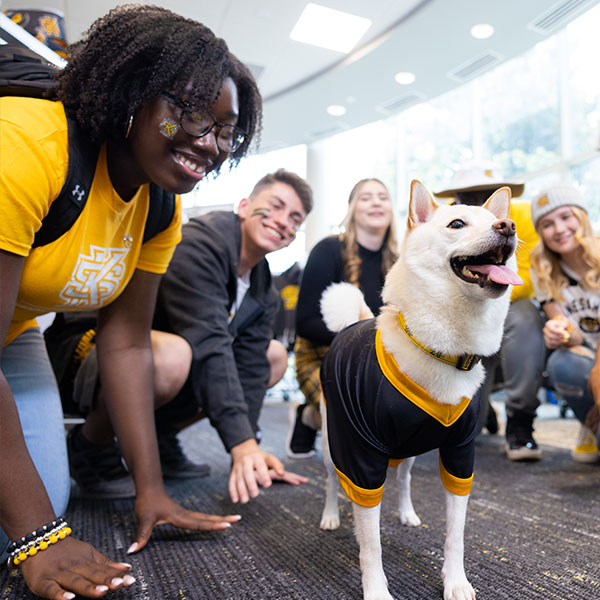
[(428, 37)]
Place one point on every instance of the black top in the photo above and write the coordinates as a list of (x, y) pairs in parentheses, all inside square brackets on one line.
[(324, 267), (230, 370)]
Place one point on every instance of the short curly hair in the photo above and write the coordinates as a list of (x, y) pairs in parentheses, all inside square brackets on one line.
[(134, 53)]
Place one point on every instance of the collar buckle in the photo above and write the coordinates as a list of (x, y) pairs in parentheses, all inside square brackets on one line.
[(466, 362)]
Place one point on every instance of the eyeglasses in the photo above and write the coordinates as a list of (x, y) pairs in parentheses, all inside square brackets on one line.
[(198, 124)]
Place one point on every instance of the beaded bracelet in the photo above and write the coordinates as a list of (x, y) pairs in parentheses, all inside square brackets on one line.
[(30, 544)]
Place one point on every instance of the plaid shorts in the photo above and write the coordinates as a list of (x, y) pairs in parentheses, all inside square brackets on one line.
[(308, 358)]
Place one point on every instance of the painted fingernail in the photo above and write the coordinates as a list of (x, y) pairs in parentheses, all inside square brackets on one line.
[(128, 579), (126, 565), (102, 588), (116, 581), (237, 517), (68, 595), (132, 548)]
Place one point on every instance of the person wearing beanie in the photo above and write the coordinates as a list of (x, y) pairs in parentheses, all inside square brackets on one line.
[(554, 197), (565, 268), (522, 354)]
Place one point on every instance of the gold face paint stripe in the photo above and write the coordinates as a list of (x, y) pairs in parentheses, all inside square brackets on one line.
[(260, 212)]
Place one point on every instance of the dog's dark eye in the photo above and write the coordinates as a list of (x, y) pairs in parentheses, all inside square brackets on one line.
[(456, 224)]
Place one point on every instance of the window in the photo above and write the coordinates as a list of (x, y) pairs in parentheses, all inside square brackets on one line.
[(582, 87), (230, 186), (586, 175), (438, 137), (520, 111)]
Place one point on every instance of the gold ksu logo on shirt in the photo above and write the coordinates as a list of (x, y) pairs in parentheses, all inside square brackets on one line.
[(96, 277), (589, 324)]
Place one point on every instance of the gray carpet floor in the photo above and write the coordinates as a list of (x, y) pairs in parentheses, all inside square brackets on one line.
[(533, 532)]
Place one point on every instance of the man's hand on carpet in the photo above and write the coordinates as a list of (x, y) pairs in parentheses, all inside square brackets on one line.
[(158, 509), (73, 567), (253, 468), (288, 477), (250, 469)]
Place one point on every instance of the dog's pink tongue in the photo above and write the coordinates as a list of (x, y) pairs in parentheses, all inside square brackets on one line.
[(498, 273)]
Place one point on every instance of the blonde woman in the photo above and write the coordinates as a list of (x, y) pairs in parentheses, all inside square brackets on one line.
[(566, 278), (361, 255)]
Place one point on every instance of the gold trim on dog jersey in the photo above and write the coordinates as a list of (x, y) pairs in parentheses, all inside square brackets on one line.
[(361, 496), (446, 414), (456, 485)]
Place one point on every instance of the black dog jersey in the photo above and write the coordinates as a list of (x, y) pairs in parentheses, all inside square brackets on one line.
[(377, 416)]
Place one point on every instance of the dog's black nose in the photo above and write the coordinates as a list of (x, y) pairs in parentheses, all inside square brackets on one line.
[(506, 227)]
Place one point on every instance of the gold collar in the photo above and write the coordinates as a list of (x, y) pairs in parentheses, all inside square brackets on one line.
[(464, 362)]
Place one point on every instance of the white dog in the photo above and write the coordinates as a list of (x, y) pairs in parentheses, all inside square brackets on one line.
[(400, 385)]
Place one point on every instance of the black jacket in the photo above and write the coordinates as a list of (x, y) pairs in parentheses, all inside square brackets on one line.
[(230, 371)]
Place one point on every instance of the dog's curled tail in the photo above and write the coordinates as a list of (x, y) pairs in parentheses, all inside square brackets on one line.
[(343, 304)]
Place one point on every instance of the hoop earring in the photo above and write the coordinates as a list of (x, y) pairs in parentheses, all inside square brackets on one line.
[(129, 126)]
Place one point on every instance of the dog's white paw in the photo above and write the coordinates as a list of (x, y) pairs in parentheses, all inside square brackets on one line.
[(458, 590), (409, 518), (330, 521), (377, 593), (375, 586), (384, 595)]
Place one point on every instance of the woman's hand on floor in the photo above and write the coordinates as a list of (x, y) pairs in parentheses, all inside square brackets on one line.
[(157, 509), (73, 567)]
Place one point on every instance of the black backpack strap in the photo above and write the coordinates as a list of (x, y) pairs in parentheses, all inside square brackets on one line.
[(160, 212), (66, 208), (25, 73)]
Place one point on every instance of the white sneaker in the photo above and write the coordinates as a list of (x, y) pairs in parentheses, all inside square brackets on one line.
[(586, 447)]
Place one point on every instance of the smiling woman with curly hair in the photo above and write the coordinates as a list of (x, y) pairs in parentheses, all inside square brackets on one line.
[(160, 100), (134, 54)]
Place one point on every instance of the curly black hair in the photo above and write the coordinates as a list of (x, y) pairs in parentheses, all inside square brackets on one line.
[(136, 52)]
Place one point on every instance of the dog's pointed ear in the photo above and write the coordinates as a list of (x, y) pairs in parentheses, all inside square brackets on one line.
[(499, 203), (422, 206)]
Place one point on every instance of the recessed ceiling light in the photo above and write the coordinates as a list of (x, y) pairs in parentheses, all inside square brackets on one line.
[(329, 28), (482, 31), (336, 110), (405, 77)]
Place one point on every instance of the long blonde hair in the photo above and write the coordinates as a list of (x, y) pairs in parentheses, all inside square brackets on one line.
[(546, 266), (350, 258)]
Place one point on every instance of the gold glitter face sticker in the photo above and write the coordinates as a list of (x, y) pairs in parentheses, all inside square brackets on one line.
[(168, 127)]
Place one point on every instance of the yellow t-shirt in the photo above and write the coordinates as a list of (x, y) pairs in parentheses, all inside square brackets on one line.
[(520, 213), (92, 263)]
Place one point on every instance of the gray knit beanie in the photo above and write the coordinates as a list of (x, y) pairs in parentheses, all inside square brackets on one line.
[(555, 197)]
